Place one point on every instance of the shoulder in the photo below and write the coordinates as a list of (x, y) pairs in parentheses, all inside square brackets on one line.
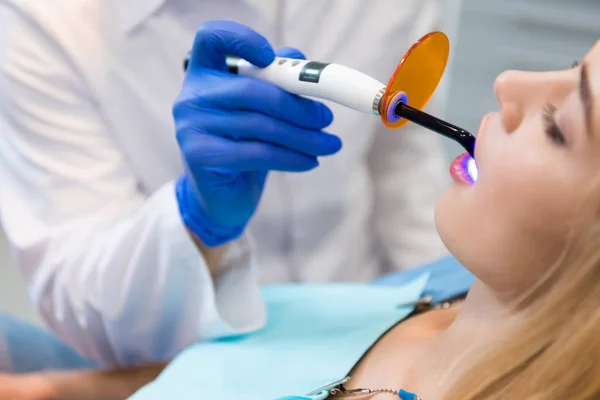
[(65, 10), (56, 16), (68, 29), (66, 43)]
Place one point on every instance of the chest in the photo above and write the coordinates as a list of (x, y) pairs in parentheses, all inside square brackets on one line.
[(393, 362)]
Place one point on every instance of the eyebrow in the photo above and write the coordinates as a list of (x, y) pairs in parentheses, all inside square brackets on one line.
[(585, 93)]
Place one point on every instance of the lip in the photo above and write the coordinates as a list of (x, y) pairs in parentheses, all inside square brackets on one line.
[(460, 171), (463, 169)]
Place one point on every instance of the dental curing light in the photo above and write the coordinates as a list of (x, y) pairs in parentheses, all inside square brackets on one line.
[(402, 100), (461, 136)]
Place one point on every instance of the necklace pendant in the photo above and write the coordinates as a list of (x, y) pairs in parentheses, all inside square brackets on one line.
[(404, 395)]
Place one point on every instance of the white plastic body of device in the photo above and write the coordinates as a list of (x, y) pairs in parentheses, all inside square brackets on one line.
[(337, 83)]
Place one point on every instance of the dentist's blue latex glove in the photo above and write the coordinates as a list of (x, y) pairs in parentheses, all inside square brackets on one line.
[(232, 130)]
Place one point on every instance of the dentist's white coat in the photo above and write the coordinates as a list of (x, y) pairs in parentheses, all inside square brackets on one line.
[(88, 156)]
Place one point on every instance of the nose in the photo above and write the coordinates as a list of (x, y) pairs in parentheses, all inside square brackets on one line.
[(519, 92), (510, 89)]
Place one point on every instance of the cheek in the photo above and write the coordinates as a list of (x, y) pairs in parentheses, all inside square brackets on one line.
[(511, 226), (531, 202)]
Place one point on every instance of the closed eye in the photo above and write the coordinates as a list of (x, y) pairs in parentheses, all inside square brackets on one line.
[(552, 130)]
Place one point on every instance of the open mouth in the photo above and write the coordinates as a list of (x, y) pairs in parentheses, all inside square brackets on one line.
[(464, 170)]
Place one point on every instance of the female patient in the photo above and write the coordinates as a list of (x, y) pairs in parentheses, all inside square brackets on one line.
[(529, 230)]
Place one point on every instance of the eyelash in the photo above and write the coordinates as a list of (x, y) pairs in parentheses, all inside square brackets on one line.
[(552, 129)]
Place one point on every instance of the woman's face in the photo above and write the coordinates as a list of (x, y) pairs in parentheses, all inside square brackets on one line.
[(538, 161)]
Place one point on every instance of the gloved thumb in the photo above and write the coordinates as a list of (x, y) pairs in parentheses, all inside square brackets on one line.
[(216, 39)]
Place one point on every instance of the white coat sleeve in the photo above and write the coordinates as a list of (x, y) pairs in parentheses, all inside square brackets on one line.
[(111, 269)]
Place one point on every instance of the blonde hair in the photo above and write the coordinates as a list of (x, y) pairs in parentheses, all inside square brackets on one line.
[(556, 354)]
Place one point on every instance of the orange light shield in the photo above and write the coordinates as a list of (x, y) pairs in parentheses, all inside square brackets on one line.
[(418, 75)]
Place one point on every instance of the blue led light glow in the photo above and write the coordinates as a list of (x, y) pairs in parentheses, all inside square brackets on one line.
[(472, 169)]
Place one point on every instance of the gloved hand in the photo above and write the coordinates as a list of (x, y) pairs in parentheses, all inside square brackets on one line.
[(232, 130)]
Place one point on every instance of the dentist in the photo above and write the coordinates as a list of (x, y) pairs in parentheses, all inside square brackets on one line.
[(137, 236)]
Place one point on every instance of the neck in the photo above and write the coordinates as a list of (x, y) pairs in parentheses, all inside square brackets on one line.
[(483, 319), (484, 309)]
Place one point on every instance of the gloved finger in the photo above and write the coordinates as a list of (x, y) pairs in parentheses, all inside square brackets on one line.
[(252, 126), (208, 151), (242, 93), (216, 39), (290, 52)]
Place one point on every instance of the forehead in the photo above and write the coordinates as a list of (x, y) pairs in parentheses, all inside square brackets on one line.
[(592, 61), (595, 51)]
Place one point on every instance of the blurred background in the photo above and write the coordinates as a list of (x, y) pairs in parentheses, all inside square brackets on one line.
[(487, 37)]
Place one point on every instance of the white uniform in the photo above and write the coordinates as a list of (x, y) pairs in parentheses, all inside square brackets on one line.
[(88, 157)]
